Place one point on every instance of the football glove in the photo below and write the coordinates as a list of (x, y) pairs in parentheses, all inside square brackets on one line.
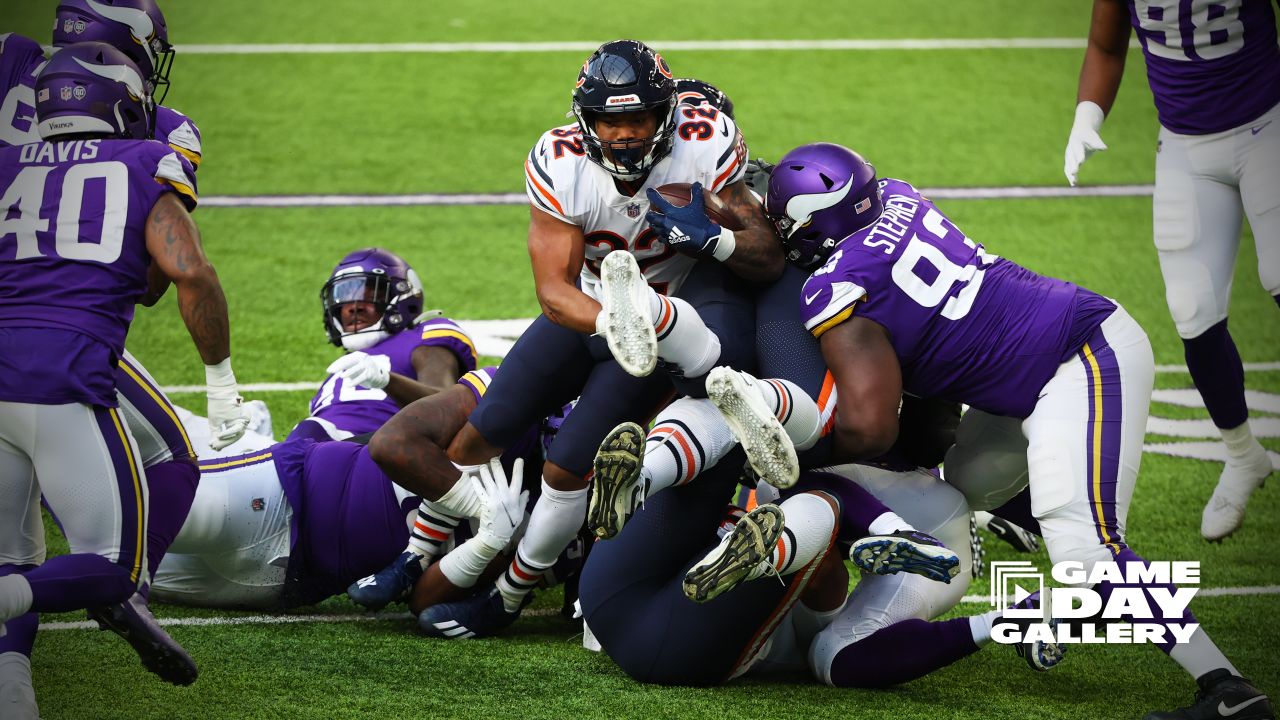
[(228, 418), (504, 501), (757, 177), (358, 368), (688, 229), (1084, 140)]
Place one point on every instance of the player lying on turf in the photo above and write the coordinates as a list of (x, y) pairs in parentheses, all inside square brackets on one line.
[(395, 353), (900, 299)]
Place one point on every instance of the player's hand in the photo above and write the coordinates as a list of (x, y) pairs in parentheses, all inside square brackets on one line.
[(504, 501), (358, 368), (228, 418), (688, 229), (757, 176), (1084, 140)]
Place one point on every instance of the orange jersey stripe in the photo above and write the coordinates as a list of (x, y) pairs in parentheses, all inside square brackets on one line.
[(528, 171), (733, 166)]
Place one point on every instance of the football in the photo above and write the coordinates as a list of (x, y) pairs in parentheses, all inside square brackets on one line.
[(678, 194)]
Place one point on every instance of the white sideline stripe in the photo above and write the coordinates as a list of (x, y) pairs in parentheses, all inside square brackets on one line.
[(665, 45), (541, 612), (452, 199), (1248, 367), (270, 620)]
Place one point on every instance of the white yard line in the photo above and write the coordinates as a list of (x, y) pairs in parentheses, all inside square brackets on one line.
[(542, 612), (664, 45), (432, 199)]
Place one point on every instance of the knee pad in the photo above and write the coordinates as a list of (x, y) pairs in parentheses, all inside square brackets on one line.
[(1075, 547), (988, 463), (1194, 303)]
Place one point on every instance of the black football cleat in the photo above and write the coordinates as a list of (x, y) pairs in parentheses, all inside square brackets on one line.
[(1222, 695), (161, 654)]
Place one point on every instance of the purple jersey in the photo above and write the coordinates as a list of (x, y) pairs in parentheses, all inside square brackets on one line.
[(358, 409), (1213, 65), (966, 325), (20, 61), (73, 254), (349, 519)]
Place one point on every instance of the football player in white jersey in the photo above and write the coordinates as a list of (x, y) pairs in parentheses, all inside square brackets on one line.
[(1214, 71), (678, 292)]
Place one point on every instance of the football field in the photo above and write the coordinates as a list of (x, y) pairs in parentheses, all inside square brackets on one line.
[(329, 126)]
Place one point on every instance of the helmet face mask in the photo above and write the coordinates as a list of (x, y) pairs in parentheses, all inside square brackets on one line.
[(624, 77), (370, 283)]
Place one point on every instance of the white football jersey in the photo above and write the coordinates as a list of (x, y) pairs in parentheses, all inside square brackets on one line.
[(563, 182)]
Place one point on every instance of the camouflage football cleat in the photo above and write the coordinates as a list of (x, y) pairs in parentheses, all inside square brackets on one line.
[(906, 551), (617, 488), (743, 554), (625, 318), (769, 450)]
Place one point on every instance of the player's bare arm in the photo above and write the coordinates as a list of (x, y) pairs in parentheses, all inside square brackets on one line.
[(869, 385), (410, 447), (557, 251), (1105, 55), (437, 369), (758, 253), (157, 284), (174, 244)]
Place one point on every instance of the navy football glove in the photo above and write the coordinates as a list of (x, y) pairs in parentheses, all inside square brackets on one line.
[(688, 229)]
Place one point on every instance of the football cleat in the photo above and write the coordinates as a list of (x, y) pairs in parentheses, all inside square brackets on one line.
[(1022, 540), (161, 654), (1039, 655), (769, 450), (476, 617), (1224, 512), (625, 318), (616, 486), (390, 584), (1222, 695), (743, 554), (906, 551)]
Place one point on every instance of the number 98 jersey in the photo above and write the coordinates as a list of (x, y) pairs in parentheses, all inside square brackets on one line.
[(966, 325), (563, 182)]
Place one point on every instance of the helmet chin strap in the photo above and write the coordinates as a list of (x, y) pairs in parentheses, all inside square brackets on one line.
[(364, 339)]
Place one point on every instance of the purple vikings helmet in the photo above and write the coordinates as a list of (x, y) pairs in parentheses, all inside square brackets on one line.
[(92, 88), (620, 77), (375, 276), (820, 194), (134, 27)]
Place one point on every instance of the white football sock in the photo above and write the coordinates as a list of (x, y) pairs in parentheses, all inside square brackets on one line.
[(683, 338), (888, 523), (1239, 440), (462, 500), (431, 530), (1200, 655), (15, 597), (809, 524), (980, 626), (555, 521), (689, 436), (793, 407)]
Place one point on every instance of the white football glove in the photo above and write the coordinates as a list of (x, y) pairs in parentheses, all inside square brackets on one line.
[(1084, 140), (358, 368), (504, 502), (228, 418)]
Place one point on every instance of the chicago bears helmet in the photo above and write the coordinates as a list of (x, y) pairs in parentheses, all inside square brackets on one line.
[(92, 88), (134, 27), (378, 277), (820, 194), (625, 76), (691, 91)]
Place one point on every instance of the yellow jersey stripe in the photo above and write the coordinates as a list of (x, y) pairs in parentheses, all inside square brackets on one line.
[(137, 494), (168, 410), (189, 154), (1096, 375), (248, 460), (835, 320), (430, 333), (476, 382)]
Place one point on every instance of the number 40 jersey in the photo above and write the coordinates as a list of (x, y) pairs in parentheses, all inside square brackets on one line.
[(967, 326), (562, 182)]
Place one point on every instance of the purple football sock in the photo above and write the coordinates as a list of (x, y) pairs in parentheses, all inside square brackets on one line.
[(1216, 370), (172, 486), (858, 508), (20, 632), (1018, 512), (1104, 589), (903, 651), (75, 582)]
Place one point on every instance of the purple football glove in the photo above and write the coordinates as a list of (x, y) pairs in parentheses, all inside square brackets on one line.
[(687, 229)]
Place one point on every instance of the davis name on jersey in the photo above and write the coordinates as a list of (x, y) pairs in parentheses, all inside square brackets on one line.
[(562, 181), (967, 325)]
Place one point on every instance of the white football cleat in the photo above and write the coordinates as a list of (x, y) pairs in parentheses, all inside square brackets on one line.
[(743, 554), (625, 319), (1224, 512), (769, 449)]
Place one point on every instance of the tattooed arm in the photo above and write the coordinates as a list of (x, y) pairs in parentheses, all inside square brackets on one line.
[(174, 244), (410, 447), (758, 253)]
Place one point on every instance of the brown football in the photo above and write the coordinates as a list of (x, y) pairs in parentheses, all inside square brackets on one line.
[(678, 194)]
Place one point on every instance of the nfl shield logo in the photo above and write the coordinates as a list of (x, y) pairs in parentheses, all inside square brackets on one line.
[(79, 92), (67, 25), (633, 211), (65, 93)]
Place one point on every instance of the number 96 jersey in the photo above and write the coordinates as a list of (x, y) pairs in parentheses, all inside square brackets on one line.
[(966, 325), (564, 183)]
